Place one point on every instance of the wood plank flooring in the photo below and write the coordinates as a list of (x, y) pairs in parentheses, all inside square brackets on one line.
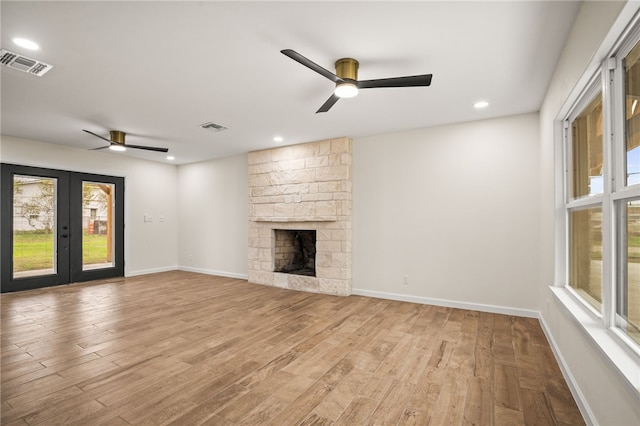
[(182, 348)]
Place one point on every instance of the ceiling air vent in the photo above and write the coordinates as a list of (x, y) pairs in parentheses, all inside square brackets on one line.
[(22, 63), (213, 127)]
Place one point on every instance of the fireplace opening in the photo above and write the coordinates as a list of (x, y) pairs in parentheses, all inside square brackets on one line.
[(295, 252)]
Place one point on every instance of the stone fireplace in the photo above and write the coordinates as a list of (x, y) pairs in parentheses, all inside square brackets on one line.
[(301, 191)]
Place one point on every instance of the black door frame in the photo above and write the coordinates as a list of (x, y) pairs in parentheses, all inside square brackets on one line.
[(68, 232)]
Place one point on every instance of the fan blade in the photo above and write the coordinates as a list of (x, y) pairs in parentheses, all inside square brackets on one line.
[(328, 104), (148, 148), (95, 134), (102, 147), (410, 81), (310, 64)]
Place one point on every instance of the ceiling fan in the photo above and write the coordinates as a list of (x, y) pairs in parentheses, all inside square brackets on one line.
[(116, 142), (346, 78)]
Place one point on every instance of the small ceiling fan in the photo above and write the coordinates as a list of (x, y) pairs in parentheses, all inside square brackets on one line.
[(116, 142), (346, 78)]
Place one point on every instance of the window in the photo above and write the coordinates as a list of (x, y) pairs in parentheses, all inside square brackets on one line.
[(602, 193)]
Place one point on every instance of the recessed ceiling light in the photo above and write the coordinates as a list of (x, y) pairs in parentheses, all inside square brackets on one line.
[(170, 157), (481, 104), (278, 138), (27, 44)]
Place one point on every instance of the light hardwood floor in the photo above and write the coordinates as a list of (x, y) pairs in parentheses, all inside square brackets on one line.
[(187, 349)]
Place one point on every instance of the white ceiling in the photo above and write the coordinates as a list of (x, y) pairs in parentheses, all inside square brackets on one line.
[(156, 70)]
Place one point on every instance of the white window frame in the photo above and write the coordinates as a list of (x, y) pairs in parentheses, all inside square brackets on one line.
[(601, 326), (594, 88)]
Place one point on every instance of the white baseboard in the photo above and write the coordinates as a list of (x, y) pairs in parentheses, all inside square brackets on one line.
[(578, 396), (187, 269), (150, 271), (448, 303), (213, 272)]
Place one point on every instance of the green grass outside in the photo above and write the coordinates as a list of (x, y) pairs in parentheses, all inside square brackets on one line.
[(33, 251)]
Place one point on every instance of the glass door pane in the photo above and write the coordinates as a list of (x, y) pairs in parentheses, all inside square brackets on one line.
[(97, 225), (34, 226)]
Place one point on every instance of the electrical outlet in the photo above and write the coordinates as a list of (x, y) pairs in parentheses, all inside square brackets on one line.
[(405, 279)]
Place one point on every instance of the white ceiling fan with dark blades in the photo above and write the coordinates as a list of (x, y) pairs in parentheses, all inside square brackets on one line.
[(346, 78), (116, 142)]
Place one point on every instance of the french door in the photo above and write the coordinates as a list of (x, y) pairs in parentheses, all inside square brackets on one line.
[(59, 227)]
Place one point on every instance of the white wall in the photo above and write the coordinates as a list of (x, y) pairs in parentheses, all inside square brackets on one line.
[(213, 216), (150, 187), (605, 397), (454, 208)]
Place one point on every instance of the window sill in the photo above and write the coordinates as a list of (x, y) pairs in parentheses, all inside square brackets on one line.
[(619, 353)]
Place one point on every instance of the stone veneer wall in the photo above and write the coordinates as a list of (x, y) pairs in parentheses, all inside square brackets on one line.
[(306, 186)]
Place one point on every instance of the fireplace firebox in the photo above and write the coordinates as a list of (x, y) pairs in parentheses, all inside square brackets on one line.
[(295, 252)]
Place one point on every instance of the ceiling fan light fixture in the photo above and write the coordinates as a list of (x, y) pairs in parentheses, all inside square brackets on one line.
[(346, 90), (346, 78), (116, 142)]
